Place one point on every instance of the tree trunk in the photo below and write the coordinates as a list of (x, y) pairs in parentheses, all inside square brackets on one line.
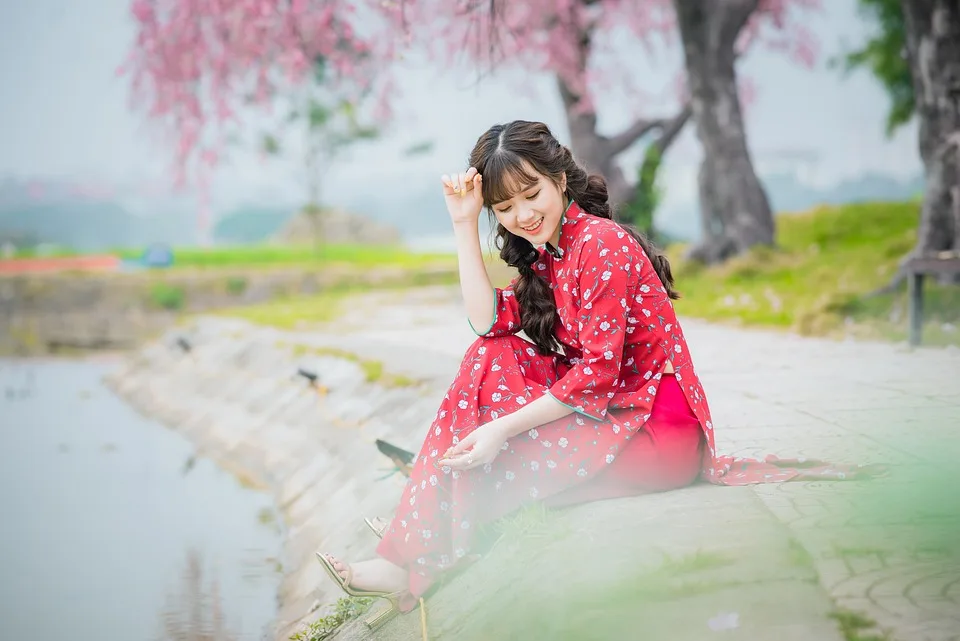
[(734, 209), (598, 153), (933, 45)]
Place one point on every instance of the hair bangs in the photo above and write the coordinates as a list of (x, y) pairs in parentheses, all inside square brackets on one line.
[(506, 174)]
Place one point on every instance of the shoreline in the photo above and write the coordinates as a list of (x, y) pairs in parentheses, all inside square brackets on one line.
[(314, 452)]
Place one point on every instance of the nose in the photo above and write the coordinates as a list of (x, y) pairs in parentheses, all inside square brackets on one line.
[(526, 216)]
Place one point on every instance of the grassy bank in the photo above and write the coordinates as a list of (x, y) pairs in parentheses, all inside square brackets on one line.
[(817, 280)]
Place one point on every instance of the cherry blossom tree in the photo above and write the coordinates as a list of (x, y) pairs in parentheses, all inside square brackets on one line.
[(196, 64), (561, 35), (574, 42)]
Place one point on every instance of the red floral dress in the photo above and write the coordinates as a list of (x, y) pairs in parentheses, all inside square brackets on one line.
[(618, 330)]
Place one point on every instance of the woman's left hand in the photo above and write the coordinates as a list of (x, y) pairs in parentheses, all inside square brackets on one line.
[(479, 448)]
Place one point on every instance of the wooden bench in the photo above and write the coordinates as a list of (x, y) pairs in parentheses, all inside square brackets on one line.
[(938, 264)]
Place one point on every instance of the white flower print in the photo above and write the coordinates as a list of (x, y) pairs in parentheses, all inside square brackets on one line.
[(604, 325), (547, 443), (509, 475), (581, 472), (444, 506), (534, 466), (604, 252), (588, 371), (563, 442), (495, 368), (464, 525), (534, 493), (586, 294), (645, 288), (605, 276), (460, 552), (427, 534), (434, 480), (610, 458), (533, 433), (481, 350), (531, 351), (521, 400), (462, 404), (608, 355), (476, 366), (676, 348), (494, 414), (496, 397), (551, 464), (651, 390)]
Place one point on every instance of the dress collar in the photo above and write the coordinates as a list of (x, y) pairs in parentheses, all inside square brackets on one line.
[(570, 216)]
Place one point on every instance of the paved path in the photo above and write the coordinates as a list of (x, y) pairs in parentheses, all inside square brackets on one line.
[(888, 550)]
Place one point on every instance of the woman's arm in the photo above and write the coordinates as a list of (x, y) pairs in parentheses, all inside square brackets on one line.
[(463, 195), (478, 292)]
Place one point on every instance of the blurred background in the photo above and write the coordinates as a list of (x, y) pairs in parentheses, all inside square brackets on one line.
[(267, 161)]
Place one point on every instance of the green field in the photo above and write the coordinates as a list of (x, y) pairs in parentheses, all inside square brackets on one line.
[(817, 281), (269, 256)]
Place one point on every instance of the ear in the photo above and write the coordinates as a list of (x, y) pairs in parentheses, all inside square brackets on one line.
[(563, 182)]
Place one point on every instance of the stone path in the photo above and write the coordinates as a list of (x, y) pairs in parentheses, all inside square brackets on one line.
[(749, 563)]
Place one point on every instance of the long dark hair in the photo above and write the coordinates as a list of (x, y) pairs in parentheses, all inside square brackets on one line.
[(504, 156)]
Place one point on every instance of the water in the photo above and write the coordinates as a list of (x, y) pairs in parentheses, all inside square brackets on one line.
[(111, 530)]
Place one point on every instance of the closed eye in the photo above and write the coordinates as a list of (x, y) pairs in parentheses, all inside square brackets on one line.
[(534, 195)]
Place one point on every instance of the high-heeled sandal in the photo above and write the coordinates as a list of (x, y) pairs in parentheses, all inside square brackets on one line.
[(377, 525), (377, 619)]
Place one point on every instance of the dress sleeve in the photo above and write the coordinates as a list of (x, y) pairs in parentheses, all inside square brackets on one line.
[(606, 279), (506, 314)]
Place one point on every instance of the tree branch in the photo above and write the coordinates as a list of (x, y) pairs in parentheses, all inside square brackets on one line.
[(669, 127)]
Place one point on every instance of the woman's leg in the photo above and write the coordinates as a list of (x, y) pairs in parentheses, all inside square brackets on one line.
[(433, 526)]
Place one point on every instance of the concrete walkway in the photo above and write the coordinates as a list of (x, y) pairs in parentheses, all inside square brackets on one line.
[(797, 561), (887, 553)]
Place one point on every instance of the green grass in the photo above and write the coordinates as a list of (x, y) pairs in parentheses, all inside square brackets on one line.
[(296, 255), (292, 312), (816, 281), (265, 256)]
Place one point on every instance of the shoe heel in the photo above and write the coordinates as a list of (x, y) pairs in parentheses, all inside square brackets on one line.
[(378, 619)]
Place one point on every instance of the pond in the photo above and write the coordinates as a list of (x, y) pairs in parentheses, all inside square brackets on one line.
[(112, 528)]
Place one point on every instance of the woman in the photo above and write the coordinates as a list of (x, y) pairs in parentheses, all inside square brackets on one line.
[(604, 402)]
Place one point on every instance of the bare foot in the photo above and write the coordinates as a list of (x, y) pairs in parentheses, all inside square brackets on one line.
[(375, 575)]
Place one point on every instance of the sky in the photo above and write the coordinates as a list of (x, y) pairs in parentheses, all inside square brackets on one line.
[(65, 114)]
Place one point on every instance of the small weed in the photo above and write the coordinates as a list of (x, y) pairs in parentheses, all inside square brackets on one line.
[(799, 556), (373, 371), (166, 296), (856, 627), (533, 521), (236, 285), (345, 610)]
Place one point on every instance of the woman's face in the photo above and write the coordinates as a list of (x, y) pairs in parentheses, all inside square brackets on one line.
[(534, 212)]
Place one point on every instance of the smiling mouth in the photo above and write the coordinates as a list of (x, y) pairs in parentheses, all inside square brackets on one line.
[(534, 228)]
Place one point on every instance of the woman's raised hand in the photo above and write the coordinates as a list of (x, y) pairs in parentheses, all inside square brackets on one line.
[(463, 194)]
